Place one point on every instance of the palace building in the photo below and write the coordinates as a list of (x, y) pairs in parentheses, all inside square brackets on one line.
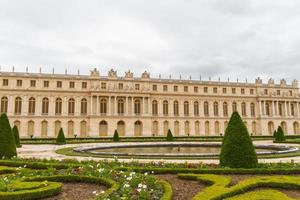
[(94, 106)]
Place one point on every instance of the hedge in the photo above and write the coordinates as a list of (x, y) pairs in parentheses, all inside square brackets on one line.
[(168, 193), (219, 185), (265, 194)]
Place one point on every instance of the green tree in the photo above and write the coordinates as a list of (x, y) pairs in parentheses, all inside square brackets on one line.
[(170, 136), (237, 149), (7, 139), (279, 137), (15, 132), (116, 136), (61, 137)]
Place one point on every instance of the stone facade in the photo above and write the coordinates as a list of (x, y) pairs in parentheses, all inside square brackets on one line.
[(94, 105)]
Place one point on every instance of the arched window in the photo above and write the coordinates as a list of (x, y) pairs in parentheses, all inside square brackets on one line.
[(176, 128), (45, 106), (176, 108), (4, 104), (244, 112), (18, 105), (57, 126), (252, 107), (120, 106), (270, 128), (121, 128), (138, 128), (280, 107), (44, 128), (103, 128), (30, 128), (154, 107), (225, 109), (31, 106), (197, 128), (217, 128), (186, 108), (284, 127), (292, 109), (83, 129), (254, 127), (103, 106), (166, 127), (225, 125), (196, 108), (165, 108), (137, 107), (71, 106), (70, 128), (207, 128), (187, 128), (234, 107), (206, 109), (296, 128), (216, 109), (58, 106), (83, 106)]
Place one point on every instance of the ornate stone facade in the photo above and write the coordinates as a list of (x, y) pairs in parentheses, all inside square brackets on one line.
[(94, 105)]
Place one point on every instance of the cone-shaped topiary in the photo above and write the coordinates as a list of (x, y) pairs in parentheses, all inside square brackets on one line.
[(279, 137), (169, 136), (116, 136), (7, 139), (275, 134), (61, 137), (15, 132), (237, 148)]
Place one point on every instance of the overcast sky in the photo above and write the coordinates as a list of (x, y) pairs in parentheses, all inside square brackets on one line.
[(217, 38)]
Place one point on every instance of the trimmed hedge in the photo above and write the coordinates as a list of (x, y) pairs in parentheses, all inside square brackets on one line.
[(169, 136), (61, 137), (168, 193), (116, 137), (15, 132), (237, 149), (219, 185), (279, 135), (7, 139), (267, 194)]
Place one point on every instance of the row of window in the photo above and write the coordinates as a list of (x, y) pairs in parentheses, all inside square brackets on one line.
[(59, 84)]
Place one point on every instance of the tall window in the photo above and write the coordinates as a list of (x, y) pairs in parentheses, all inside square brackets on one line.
[(252, 108), (4, 104), (58, 106), (176, 108), (120, 106), (225, 109), (83, 106), (206, 109), (216, 109), (31, 106), (234, 107), (292, 109), (186, 108), (103, 106), (267, 109), (154, 107), (18, 106), (71, 106), (137, 107), (244, 112), (45, 106), (165, 108), (196, 108)]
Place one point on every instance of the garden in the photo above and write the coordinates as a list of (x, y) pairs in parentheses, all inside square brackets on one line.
[(238, 175)]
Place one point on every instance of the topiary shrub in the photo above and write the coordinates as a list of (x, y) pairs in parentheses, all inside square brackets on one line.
[(169, 136), (279, 137), (275, 135), (15, 132), (61, 137), (237, 149), (7, 139), (116, 136)]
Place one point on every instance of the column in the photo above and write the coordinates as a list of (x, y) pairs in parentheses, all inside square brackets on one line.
[(298, 109), (260, 109), (109, 106), (97, 105), (116, 106), (273, 108), (10, 105), (265, 106), (285, 109), (38, 107), (25, 106), (290, 109), (132, 106), (143, 106), (91, 106), (191, 109), (51, 106), (221, 110)]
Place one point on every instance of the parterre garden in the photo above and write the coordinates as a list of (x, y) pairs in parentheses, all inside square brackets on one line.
[(239, 175)]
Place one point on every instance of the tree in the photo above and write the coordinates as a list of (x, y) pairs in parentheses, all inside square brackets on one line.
[(116, 136), (279, 137), (237, 149), (169, 136), (61, 137), (7, 139), (15, 132)]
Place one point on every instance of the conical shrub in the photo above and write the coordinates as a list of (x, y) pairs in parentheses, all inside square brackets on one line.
[(237, 148), (7, 139), (116, 136), (61, 139), (279, 135), (169, 136), (15, 132)]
